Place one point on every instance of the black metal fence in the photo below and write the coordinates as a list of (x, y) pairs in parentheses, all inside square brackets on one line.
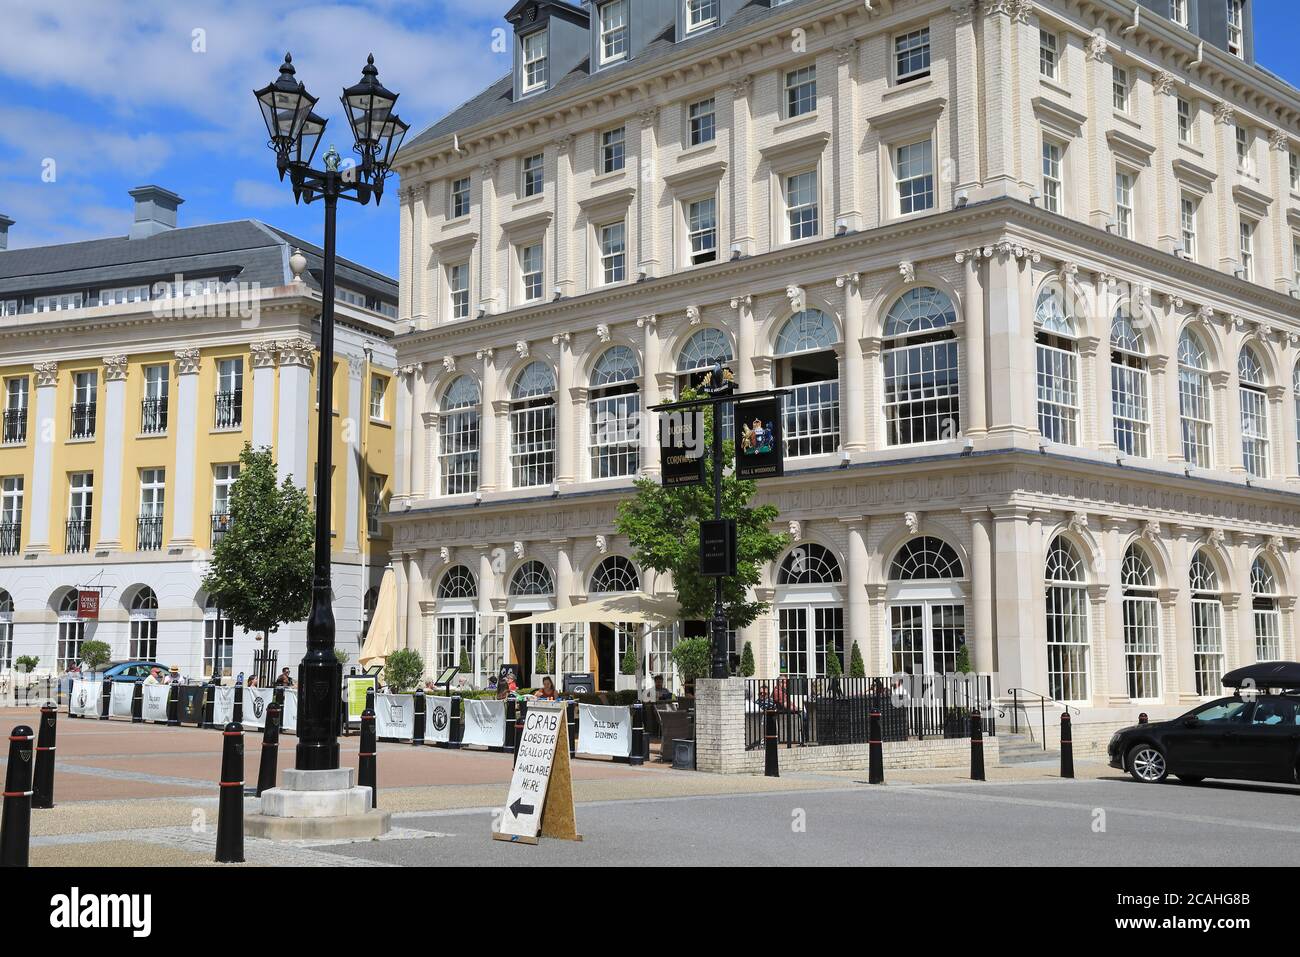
[(264, 666), (15, 426), (828, 711)]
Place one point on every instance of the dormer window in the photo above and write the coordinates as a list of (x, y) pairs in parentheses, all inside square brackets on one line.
[(535, 48), (701, 14), (1236, 27), (613, 31)]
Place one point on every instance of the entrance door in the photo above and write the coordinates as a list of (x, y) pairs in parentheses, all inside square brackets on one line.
[(606, 658), (927, 636)]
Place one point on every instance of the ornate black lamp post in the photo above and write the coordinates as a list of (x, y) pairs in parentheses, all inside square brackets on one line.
[(295, 133)]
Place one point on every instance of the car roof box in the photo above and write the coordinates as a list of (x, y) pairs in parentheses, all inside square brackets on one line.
[(1265, 674)]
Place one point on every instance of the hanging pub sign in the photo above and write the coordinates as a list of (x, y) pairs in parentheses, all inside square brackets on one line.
[(88, 605), (718, 548), (759, 448), (681, 447)]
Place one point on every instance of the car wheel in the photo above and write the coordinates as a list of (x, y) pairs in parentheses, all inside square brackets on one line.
[(1190, 778), (1146, 763)]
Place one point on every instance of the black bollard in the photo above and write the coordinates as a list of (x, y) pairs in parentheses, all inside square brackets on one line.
[(174, 705), (1142, 718), (976, 746), (457, 733), (269, 766), (106, 700), (573, 726), (16, 817), (511, 731), (1067, 747), (421, 717), (230, 805), (876, 774), (370, 698), (638, 755), (771, 767), (367, 774), (137, 703), (209, 706), (238, 711), (521, 713), (43, 780)]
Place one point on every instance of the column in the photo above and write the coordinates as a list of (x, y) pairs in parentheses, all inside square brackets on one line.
[(984, 658), (649, 326), (848, 194), (853, 405), (418, 482), (967, 112), (398, 561), (42, 436), (1113, 680), (565, 268), (352, 439), (976, 418), (186, 424), (297, 398), (1182, 545), (486, 581), (1094, 375), (1160, 441), (488, 475), (744, 307), (999, 103), (110, 483), (1018, 576), (1282, 441), (407, 199), (1010, 365), (1098, 97), (648, 194), (1173, 401), (564, 577), (263, 360), (564, 418), (414, 598), (858, 623), (743, 223)]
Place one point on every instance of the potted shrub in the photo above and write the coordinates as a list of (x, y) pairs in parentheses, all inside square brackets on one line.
[(693, 658), (625, 680), (403, 671), (747, 667), (857, 669)]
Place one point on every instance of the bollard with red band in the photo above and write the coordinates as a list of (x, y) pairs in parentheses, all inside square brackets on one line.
[(367, 769), (976, 746), (230, 804), (771, 768), (16, 817), (43, 780), (876, 772), (1067, 746), (266, 770)]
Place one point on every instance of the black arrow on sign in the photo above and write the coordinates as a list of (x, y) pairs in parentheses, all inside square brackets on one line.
[(519, 807)]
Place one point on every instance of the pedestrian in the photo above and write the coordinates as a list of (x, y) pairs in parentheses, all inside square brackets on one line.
[(153, 677), (284, 680)]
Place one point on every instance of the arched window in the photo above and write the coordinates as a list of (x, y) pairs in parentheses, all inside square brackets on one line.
[(614, 410), (144, 625), (926, 559), (1129, 389), (1207, 625), (1057, 368), (458, 582), (922, 402), (6, 631), (704, 349), (1264, 603), (1254, 413), (614, 574), (810, 621), (1141, 625), (532, 578), (532, 427), (806, 361), (458, 437), (1068, 643), (218, 641), (927, 618), (1194, 408), (72, 631)]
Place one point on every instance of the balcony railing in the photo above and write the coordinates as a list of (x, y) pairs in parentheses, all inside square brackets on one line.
[(220, 525), (149, 533), (10, 534), (77, 536), (15, 426), (153, 416), (83, 420), (228, 412)]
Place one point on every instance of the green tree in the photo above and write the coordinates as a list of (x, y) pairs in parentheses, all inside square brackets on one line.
[(95, 654), (963, 660), (403, 670), (261, 571), (628, 665), (747, 668), (856, 667), (27, 662), (341, 656), (663, 525), (694, 658), (834, 668)]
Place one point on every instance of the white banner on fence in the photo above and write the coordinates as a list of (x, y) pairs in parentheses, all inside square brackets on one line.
[(85, 697), (485, 722), (155, 702), (289, 719), (256, 701), (119, 705), (223, 707), (395, 716), (437, 720), (604, 729)]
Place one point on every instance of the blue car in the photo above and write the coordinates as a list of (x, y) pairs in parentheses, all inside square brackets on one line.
[(132, 671)]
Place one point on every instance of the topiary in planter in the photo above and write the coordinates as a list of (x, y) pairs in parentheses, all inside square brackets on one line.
[(747, 667), (856, 667), (628, 665)]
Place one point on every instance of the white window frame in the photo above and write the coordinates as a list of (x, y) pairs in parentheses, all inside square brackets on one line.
[(907, 48), (534, 56), (1053, 175), (1236, 18), (1049, 55), (613, 150), (1195, 405), (1178, 12), (532, 176), (458, 289), (803, 218), (701, 14), (378, 396), (1125, 202), (1246, 247), (532, 281), (614, 28), (460, 198), (1186, 120), (798, 83), (925, 180), (612, 239), (699, 251), (702, 122), (1189, 214), (1121, 86)]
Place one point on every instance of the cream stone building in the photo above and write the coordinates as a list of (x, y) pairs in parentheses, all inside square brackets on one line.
[(1029, 269)]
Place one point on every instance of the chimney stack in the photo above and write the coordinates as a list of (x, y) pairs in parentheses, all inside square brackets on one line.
[(155, 211), (5, 223)]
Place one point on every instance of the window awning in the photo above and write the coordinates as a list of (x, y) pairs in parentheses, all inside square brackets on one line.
[(634, 608)]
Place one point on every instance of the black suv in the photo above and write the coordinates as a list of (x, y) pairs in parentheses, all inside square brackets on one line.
[(1252, 736)]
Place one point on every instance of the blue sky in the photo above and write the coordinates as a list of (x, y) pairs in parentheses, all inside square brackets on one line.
[(105, 95)]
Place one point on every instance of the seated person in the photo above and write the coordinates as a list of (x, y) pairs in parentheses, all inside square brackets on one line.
[(662, 693), (284, 680), (547, 691)]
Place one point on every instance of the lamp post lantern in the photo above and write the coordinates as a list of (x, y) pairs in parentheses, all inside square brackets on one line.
[(295, 134)]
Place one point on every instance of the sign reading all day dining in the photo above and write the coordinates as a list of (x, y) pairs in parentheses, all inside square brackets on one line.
[(540, 800)]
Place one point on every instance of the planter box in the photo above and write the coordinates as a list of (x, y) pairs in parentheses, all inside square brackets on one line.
[(625, 683)]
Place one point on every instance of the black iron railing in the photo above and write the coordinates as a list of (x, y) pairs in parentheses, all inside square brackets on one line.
[(77, 536), (220, 525), (15, 426), (264, 666), (10, 535), (149, 533), (228, 411), (825, 711), (83, 421), (153, 416)]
